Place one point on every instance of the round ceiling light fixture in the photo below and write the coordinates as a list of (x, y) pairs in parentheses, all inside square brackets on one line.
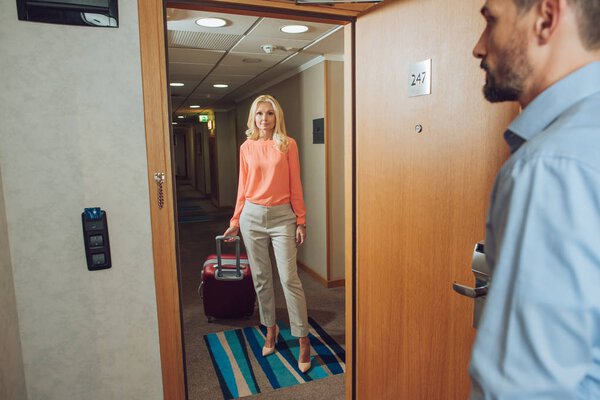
[(211, 22), (194, 106), (176, 84), (220, 85), (294, 28), (180, 117)]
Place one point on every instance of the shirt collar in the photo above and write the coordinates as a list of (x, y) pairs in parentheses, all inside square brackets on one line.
[(552, 102)]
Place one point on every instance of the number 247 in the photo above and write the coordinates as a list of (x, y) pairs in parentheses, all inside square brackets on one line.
[(417, 79)]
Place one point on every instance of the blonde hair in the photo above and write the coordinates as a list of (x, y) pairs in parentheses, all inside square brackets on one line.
[(280, 136)]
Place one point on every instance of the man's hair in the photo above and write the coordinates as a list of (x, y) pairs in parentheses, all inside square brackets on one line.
[(588, 18)]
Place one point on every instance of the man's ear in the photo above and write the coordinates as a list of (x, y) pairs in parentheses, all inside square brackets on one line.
[(548, 15)]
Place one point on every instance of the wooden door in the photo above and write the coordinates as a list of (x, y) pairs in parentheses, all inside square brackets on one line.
[(421, 197)]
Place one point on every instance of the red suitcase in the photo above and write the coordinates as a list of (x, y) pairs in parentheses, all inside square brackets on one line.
[(226, 288)]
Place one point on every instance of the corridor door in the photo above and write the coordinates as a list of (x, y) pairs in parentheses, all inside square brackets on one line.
[(421, 197)]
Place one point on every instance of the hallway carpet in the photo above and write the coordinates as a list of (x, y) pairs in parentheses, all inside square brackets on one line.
[(232, 351), (196, 241), (193, 206)]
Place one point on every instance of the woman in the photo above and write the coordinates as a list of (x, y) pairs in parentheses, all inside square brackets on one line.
[(270, 207)]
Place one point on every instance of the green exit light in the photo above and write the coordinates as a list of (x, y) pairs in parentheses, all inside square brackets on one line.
[(203, 118)]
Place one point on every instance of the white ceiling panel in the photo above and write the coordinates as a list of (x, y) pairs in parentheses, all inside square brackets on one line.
[(181, 69), (267, 60), (228, 79), (185, 20), (207, 91), (253, 69), (183, 90), (297, 61), (201, 99), (251, 44), (202, 40), (198, 54), (195, 56), (331, 45), (271, 27)]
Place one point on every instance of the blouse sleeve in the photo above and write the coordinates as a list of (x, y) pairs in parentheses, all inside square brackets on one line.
[(296, 197), (241, 195)]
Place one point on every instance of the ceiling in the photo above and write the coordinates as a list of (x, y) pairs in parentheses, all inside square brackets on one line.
[(200, 57)]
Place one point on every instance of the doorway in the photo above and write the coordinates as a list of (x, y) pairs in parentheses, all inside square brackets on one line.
[(211, 121)]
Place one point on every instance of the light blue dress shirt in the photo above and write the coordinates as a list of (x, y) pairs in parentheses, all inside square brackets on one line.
[(539, 336)]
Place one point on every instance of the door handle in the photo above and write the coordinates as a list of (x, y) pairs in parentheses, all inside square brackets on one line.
[(482, 282), (481, 272), (469, 291)]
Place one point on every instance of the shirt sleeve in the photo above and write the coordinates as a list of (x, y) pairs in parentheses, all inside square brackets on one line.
[(241, 194), (540, 328), (296, 196)]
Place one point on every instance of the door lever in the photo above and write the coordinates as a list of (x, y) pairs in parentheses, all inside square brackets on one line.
[(482, 282), (469, 291), (481, 272)]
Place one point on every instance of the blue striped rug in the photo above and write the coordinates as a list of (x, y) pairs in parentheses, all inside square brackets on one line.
[(234, 352)]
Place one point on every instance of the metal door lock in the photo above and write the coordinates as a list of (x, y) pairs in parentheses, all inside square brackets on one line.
[(482, 282)]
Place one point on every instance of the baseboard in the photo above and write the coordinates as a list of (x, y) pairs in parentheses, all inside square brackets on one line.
[(336, 283), (320, 279)]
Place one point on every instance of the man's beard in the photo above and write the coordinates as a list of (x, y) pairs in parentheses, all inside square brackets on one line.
[(507, 82)]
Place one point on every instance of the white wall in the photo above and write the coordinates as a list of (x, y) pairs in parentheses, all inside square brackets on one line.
[(12, 375), (334, 135), (206, 157), (199, 158), (227, 158), (190, 148), (302, 100), (72, 136)]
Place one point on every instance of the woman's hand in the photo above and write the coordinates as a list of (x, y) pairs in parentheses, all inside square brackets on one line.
[(231, 231), (300, 235)]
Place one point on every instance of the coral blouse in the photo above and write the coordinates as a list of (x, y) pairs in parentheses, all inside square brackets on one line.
[(269, 177)]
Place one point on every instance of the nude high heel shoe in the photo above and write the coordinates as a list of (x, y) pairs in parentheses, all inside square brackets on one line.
[(304, 366), (270, 350)]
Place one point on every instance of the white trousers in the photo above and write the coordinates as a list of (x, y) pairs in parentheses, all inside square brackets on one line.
[(277, 224)]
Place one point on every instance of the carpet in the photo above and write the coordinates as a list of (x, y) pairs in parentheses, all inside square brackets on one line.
[(237, 357)]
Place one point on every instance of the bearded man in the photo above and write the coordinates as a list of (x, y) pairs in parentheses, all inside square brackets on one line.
[(539, 336)]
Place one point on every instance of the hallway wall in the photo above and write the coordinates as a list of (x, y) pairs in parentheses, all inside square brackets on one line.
[(12, 375), (227, 157), (334, 134), (72, 136)]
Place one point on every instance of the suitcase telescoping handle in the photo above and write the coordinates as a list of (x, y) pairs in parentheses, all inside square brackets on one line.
[(229, 274)]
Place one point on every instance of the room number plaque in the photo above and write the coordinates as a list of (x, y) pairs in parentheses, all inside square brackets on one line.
[(419, 78)]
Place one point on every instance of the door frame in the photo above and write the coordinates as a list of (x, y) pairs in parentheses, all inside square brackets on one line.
[(152, 27)]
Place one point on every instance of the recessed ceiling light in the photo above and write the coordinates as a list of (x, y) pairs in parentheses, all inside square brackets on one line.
[(180, 117), (294, 28), (176, 84), (220, 85), (211, 22), (251, 60), (195, 106)]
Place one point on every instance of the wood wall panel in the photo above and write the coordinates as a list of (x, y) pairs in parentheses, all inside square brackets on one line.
[(349, 202), (421, 198), (156, 117)]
